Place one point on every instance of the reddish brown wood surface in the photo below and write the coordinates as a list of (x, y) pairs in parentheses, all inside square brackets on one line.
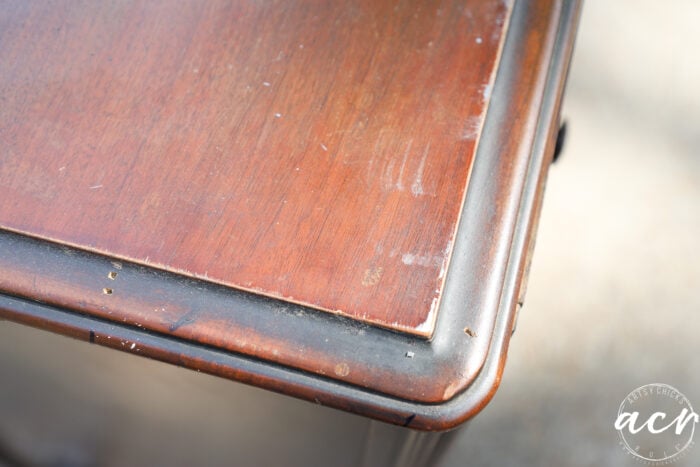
[(317, 152)]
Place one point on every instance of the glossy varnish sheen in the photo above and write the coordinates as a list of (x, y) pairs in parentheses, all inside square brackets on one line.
[(318, 152)]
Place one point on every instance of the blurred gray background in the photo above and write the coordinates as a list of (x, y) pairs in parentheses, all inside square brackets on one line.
[(613, 302)]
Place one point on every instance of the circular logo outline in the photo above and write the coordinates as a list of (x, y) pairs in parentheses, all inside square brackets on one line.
[(668, 459)]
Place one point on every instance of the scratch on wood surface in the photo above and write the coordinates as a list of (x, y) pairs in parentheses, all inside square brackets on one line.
[(451, 389), (189, 317), (388, 176), (427, 326), (390, 182), (486, 91), (471, 128), (370, 166), (399, 182), (417, 187), (410, 259)]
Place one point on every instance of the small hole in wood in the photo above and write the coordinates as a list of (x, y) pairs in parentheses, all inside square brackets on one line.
[(107, 291), (112, 275), (469, 332)]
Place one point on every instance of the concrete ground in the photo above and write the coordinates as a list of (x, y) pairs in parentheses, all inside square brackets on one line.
[(613, 302)]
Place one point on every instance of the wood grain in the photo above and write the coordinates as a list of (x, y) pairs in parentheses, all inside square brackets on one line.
[(317, 152)]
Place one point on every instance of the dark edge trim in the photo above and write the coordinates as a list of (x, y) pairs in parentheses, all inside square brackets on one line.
[(330, 392)]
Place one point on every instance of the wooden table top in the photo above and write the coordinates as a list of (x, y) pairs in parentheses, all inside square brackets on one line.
[(205, 172), (299, 150)]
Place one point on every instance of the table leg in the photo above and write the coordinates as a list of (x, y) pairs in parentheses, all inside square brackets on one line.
[(392, 446)]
